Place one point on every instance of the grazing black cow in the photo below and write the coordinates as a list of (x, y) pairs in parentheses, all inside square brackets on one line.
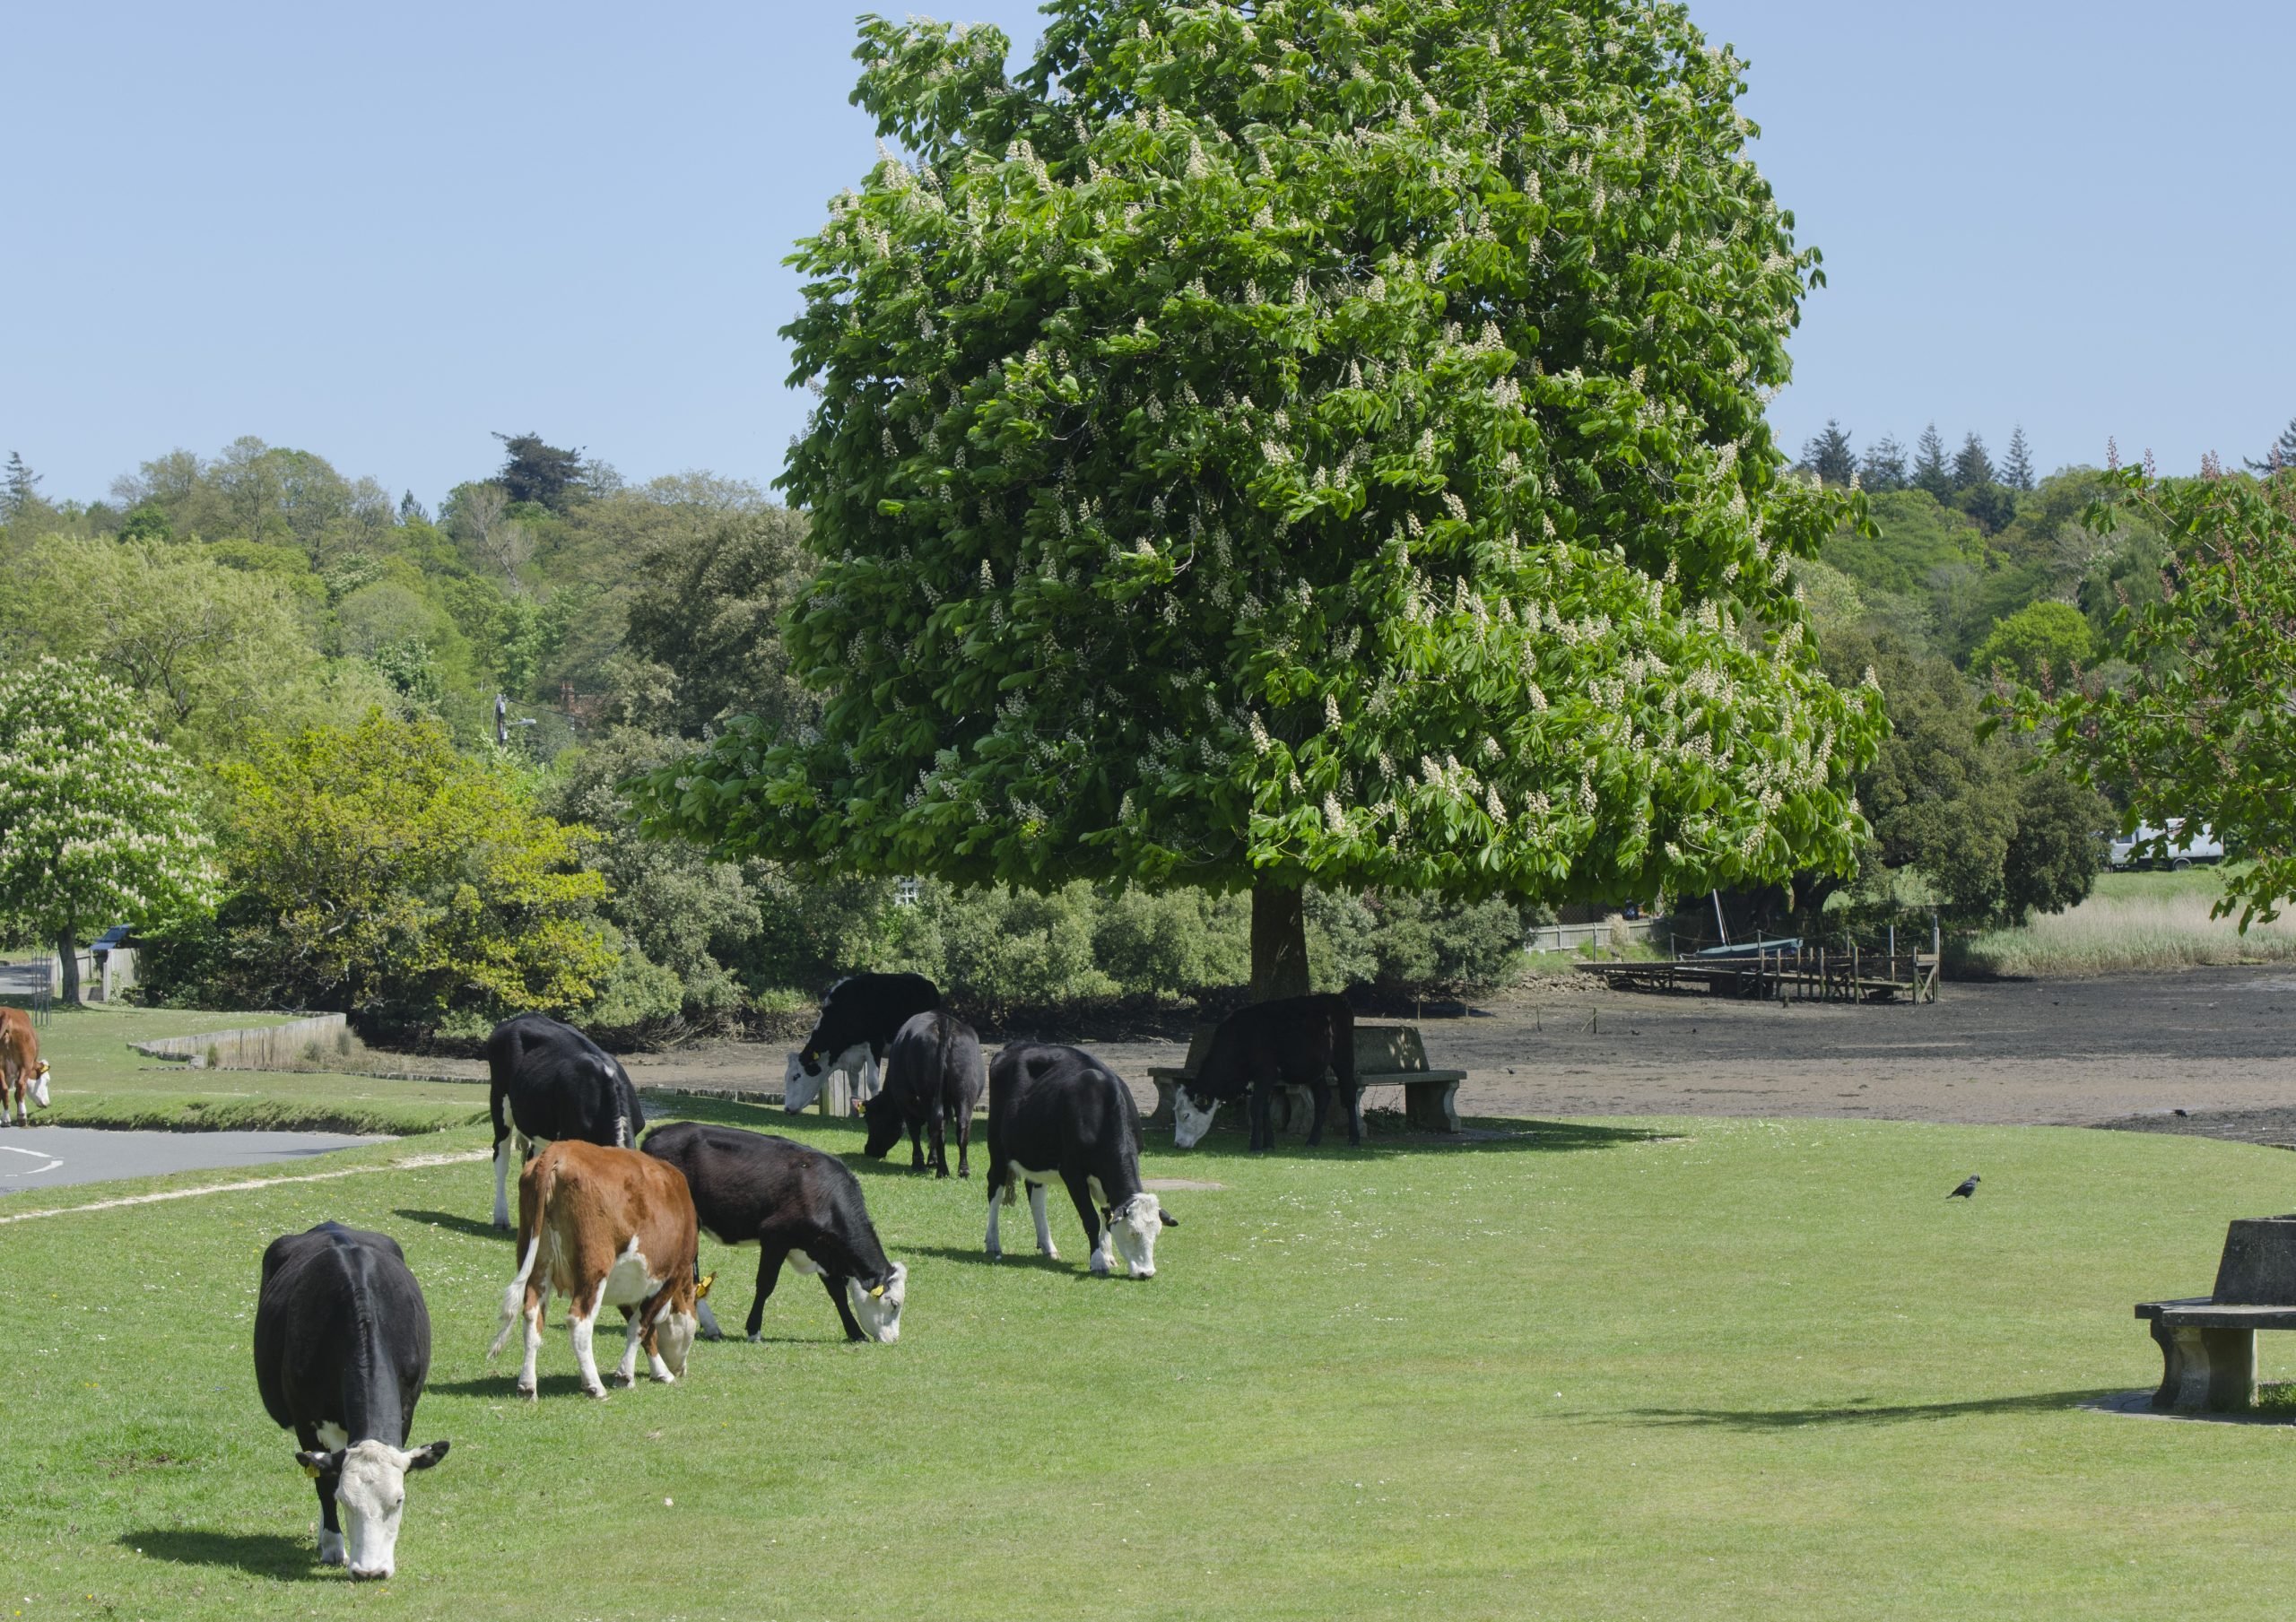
[(865, 1011), (1301, 1041), (1058, 1112), (551, 1082), (797, 1205), (341, 1348), (934, 1076)]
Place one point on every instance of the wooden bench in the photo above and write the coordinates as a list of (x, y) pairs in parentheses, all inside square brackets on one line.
[(1386, 1056), (2208, 1343)]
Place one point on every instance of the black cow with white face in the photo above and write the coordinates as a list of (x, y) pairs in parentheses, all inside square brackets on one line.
[(934, 1076), (342, 1349), (1058, 1112), (1302, 1041), (551, 1082), (797, 1205), (859, 1012)]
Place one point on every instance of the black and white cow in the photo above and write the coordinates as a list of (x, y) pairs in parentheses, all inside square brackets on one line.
[(341, 1348), (1300, 1041), (550, 1082), (934, 1076), (859, 1012), (797, 1205), (1058, 1112)]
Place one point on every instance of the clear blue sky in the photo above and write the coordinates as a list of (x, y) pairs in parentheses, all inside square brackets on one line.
[(379, 232)]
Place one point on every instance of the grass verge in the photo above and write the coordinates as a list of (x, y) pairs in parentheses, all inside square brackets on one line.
[(97, 1080), (1745, 1370)]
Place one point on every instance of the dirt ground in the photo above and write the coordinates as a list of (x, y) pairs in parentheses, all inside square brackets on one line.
[(2219, 1045)]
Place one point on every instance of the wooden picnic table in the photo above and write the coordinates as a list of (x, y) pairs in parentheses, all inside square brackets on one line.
[(1386, 1056)]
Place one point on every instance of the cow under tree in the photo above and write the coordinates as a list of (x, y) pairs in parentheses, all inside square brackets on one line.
[(342, 1349), (605, 1228), (23, 1073), (1058, 1112), (1295, 1041), (859, 1012), (550, 1083), (797, 1205), (934, 1076)]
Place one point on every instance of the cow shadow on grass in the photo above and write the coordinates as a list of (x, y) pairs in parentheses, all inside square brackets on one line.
[(567, 1384), (469, 1226), (1010, 1260), (1859, 1411), (1479, 1135), (263, 1554)]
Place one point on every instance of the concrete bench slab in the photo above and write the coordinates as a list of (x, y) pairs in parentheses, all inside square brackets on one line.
[(2208, 1343)]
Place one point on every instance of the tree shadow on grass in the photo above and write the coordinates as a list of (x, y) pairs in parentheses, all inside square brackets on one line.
[(1861, 1411), (470, 1227), (261, 1554)]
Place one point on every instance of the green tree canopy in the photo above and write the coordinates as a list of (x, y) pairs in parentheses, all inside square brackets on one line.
[(2042, 644), (2204, 729), (96, 821), (376, 871), (1302, 441)]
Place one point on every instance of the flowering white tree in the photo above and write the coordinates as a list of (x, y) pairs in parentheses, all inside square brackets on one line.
[(1302, 441), (96, 819)]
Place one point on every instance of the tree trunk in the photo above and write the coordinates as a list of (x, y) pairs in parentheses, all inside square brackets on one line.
[(67, 956), (1279, 944)]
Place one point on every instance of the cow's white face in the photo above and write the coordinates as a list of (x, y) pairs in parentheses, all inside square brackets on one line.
[(673, 1333), (1134, 1226), (371, 1492), (799, 1087), (40, 1084), (879, 1310), (1190, 1119)]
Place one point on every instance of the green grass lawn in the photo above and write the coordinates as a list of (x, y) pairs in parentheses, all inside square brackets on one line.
[(1751, 1369), (98, 1079)]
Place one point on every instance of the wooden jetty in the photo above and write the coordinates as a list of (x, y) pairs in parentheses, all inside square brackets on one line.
[(1845, 973)]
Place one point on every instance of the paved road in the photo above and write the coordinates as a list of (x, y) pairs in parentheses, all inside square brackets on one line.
[(44, 1156)]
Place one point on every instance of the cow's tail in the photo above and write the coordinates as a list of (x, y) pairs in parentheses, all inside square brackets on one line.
[(1342, 1058), (534, 1199), (945, 1024)]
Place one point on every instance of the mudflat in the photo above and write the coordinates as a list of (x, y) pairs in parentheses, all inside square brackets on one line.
[(2218, 1043)]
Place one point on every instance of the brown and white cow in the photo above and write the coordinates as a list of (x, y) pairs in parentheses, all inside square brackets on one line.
[(23, 1073), (605, 1228)]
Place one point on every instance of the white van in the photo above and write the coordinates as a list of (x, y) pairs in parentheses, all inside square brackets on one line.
[(2203, 847)]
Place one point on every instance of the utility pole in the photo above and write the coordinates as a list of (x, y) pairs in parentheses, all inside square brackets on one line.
[(501, 720)]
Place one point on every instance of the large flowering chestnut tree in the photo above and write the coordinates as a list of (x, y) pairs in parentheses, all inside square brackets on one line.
[(1292, 441)]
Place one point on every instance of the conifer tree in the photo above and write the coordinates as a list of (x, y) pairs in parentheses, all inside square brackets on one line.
[(1931, 470), (1972, 467), (1301, 441), (1884, 467), (2281, 456), (19, 487), (1828, 455), (2017, 466)]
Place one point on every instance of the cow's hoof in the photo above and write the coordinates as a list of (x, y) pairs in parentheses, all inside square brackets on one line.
[(965, 1172), (527, 1391), (598, 1391), (996, 1254), (1100, 1270), (755, 1336), (331, 1548)]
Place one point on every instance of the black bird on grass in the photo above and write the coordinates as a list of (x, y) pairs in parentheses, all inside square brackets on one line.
[(1968, 1187)]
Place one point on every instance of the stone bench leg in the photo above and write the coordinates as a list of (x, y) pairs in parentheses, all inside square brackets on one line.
[(1431, 1106), (1162, 1120), (2205, 1371)]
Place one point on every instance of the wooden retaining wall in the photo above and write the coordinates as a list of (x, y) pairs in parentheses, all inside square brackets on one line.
[(258, 1048)]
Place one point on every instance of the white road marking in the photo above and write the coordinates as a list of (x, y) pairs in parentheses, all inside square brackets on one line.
[(414, 1163), (33, 1154)]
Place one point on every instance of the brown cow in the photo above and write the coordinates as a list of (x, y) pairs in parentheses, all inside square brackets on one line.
[(605, 1228), (22, 1072)]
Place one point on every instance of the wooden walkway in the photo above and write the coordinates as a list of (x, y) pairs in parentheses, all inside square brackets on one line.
[(1812, 976)]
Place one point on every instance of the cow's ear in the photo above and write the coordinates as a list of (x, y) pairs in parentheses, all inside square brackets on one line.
[(319, 1464), (1167, 1217), (423, 1458)]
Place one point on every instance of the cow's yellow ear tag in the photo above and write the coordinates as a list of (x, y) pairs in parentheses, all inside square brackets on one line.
[(702, 1290), (312, 1470)]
